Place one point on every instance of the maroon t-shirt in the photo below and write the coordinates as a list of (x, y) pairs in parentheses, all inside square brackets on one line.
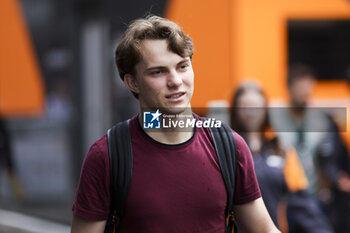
[(174, 188)]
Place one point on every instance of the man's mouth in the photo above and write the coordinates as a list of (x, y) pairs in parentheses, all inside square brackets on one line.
[(175, 96)]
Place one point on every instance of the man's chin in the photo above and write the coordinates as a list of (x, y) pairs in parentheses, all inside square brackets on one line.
[(177, 109), (299, 107)]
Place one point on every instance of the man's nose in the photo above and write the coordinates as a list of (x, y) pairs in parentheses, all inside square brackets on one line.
[(174, 79)]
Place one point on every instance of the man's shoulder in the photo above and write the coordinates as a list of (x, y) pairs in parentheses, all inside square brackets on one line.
[(101, 143), (242, 150), (243, 153), (100, 146), (98, 150), (240, 142)]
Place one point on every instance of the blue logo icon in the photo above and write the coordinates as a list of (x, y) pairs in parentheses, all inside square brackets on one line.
[(151, 120)]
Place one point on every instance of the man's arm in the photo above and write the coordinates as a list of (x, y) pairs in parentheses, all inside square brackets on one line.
[(253, 217), (82, 225)]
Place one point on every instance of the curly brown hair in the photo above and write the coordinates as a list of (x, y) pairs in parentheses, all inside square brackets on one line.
[(128, 53)]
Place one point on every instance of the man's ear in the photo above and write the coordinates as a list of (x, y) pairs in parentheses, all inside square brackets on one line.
[(131, 82)]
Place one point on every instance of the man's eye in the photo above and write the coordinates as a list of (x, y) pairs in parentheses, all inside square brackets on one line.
[(156, 72), (184, 66)]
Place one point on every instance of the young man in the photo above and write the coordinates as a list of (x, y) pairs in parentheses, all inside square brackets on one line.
[(177, 185)]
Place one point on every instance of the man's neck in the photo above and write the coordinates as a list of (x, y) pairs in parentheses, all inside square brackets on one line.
[(297, 114), (171, 138)]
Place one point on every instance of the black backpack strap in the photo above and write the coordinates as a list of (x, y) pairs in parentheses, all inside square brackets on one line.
[(120, 162), (225, 146)]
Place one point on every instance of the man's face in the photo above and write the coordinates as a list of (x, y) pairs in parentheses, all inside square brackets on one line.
[(300, 90), (163, 79)]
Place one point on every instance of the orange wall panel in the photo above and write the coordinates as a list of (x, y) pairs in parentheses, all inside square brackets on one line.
[(259, 48), (208, 24), (21, 89)]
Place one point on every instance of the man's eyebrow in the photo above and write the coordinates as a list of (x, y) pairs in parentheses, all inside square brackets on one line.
[(155, 68), (162, 67), (184, 60)]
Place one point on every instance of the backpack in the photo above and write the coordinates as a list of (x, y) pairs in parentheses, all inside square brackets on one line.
[(121, 160)]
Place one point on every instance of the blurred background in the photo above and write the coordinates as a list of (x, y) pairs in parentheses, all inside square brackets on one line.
[(60, 90)]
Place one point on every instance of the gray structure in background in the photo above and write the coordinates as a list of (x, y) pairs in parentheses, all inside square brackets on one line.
[(96, 80), (74, 42), (42, 155)]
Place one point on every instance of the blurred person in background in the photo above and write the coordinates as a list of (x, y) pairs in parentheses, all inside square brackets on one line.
[(301, 126), (177, 184), (279, 171), (316, 137), (333, 158), (6, 163), (335, 163)]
